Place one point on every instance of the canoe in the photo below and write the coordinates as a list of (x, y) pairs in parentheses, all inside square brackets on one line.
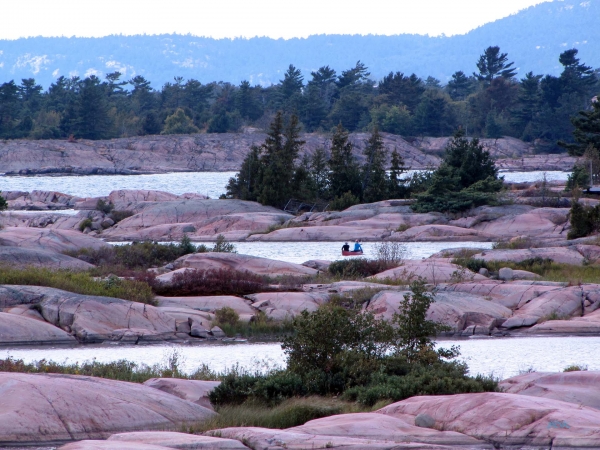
[(345, 253)]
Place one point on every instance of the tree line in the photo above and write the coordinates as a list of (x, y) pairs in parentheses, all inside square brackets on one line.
[(487, 102), (274, 173)]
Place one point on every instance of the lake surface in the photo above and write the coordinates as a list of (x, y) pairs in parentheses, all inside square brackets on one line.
[(299, 252), (501, 357), (211, 184)]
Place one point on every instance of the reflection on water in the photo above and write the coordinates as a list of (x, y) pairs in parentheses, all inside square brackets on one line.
[(207, 183), (502, 357)]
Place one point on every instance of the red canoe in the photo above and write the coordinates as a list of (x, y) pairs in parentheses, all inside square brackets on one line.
[(345, 253)]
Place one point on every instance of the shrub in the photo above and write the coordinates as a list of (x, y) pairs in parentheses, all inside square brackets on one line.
[(579, 178), (79, 283), (104, 207), (214, 282), (358, 267), (585, 220), (473, 264), (227, 316), (575, 368), (86, 223), (390, 253), (117, 216), (223, 246), (345, 201)]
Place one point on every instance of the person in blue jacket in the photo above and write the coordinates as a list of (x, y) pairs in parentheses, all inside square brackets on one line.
[(357, 247)]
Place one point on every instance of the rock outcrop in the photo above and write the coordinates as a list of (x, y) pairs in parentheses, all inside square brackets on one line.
[(48, 239), (18, 257), (43, 408), (195, 391), (578, 387)]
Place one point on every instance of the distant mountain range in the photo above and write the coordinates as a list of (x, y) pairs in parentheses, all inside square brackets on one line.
[(533, 39)]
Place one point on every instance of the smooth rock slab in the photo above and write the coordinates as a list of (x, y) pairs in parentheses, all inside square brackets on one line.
[(282, 305), (195, 391), (432, 270), (375, 427), (20, 330), (267, 439), (507, 419), (580, 388), (242, 263), (48, 239), (108, 445), (19, 257), (38, 408), (176, 440)]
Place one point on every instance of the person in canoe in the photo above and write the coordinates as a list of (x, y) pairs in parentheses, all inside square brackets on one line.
[(345, 247), (357, 247)]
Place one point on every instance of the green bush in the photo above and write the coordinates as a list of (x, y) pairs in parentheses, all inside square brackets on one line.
[(104, 207), (86, 223), (227, 316), (585, 220), (223, 246), (358, 267), (345, 201), (579, 178), (117, 216)]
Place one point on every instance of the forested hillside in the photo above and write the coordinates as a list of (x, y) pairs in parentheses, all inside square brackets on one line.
[(533, 37), (490, 102)]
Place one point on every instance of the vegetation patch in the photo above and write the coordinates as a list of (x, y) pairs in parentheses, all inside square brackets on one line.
[(79, 283)]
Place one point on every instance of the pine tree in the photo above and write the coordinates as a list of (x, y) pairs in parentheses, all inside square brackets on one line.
[(397, 187), (246, 183), (319, 170), (374, 178), (93, 118), (344, 175), (493, 64), (587, 131), (179, 123)]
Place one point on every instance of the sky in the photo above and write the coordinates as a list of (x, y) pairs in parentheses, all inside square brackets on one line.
[(249, 18)]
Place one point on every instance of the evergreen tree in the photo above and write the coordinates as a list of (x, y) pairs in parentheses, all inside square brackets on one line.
[(93, 118), (374, 178), (576, 77), (179, 123), (493, 64), (280, 151), (397, 185), (246, 183), (400, 89), (528, 101), (245, 102), (319, 170), (466, 178), (344, 172), (586, 133), (460, 86)]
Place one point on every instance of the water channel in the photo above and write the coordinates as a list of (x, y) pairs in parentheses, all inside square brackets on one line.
[(501, 357), (211, 184)]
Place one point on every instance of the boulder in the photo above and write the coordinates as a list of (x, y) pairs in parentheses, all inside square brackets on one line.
[(383, 429), (446, 233), (433, 270), (319, 264), (217, 332), (286, 305), (242, 263), (456, 310), (505, 273), (170, 439), (506, 420), (19, 257), (39, 408), (563, 303), (579, 387), (49, 240), (94, 319), (505, 223), (195, 391), (588, 324), (21, 330)]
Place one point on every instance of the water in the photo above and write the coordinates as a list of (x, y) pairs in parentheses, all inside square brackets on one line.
[(528, 177), (501, 357), (211, 184), (299, 252)]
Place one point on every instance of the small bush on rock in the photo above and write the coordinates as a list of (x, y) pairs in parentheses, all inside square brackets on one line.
[(227, 316), (359, 267)]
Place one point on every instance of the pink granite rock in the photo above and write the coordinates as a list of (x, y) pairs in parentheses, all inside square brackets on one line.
[(286, 305), (109, 445), (433, 270), (19, 257), (209, 304), (170, 439), (579, 387), (564, 255), (49, 240), (588, 324), (242, 263), (501, 419), (195, 391), (20, 330), (39, 408)]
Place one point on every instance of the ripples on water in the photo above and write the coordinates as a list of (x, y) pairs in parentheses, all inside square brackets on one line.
[(207, 183), (501, 357)]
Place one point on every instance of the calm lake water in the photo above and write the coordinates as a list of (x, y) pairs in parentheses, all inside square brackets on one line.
[(299, 252), (502, 357), (207, 183)]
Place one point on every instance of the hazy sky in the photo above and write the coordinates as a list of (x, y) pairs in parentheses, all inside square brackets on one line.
[(248, 18)]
